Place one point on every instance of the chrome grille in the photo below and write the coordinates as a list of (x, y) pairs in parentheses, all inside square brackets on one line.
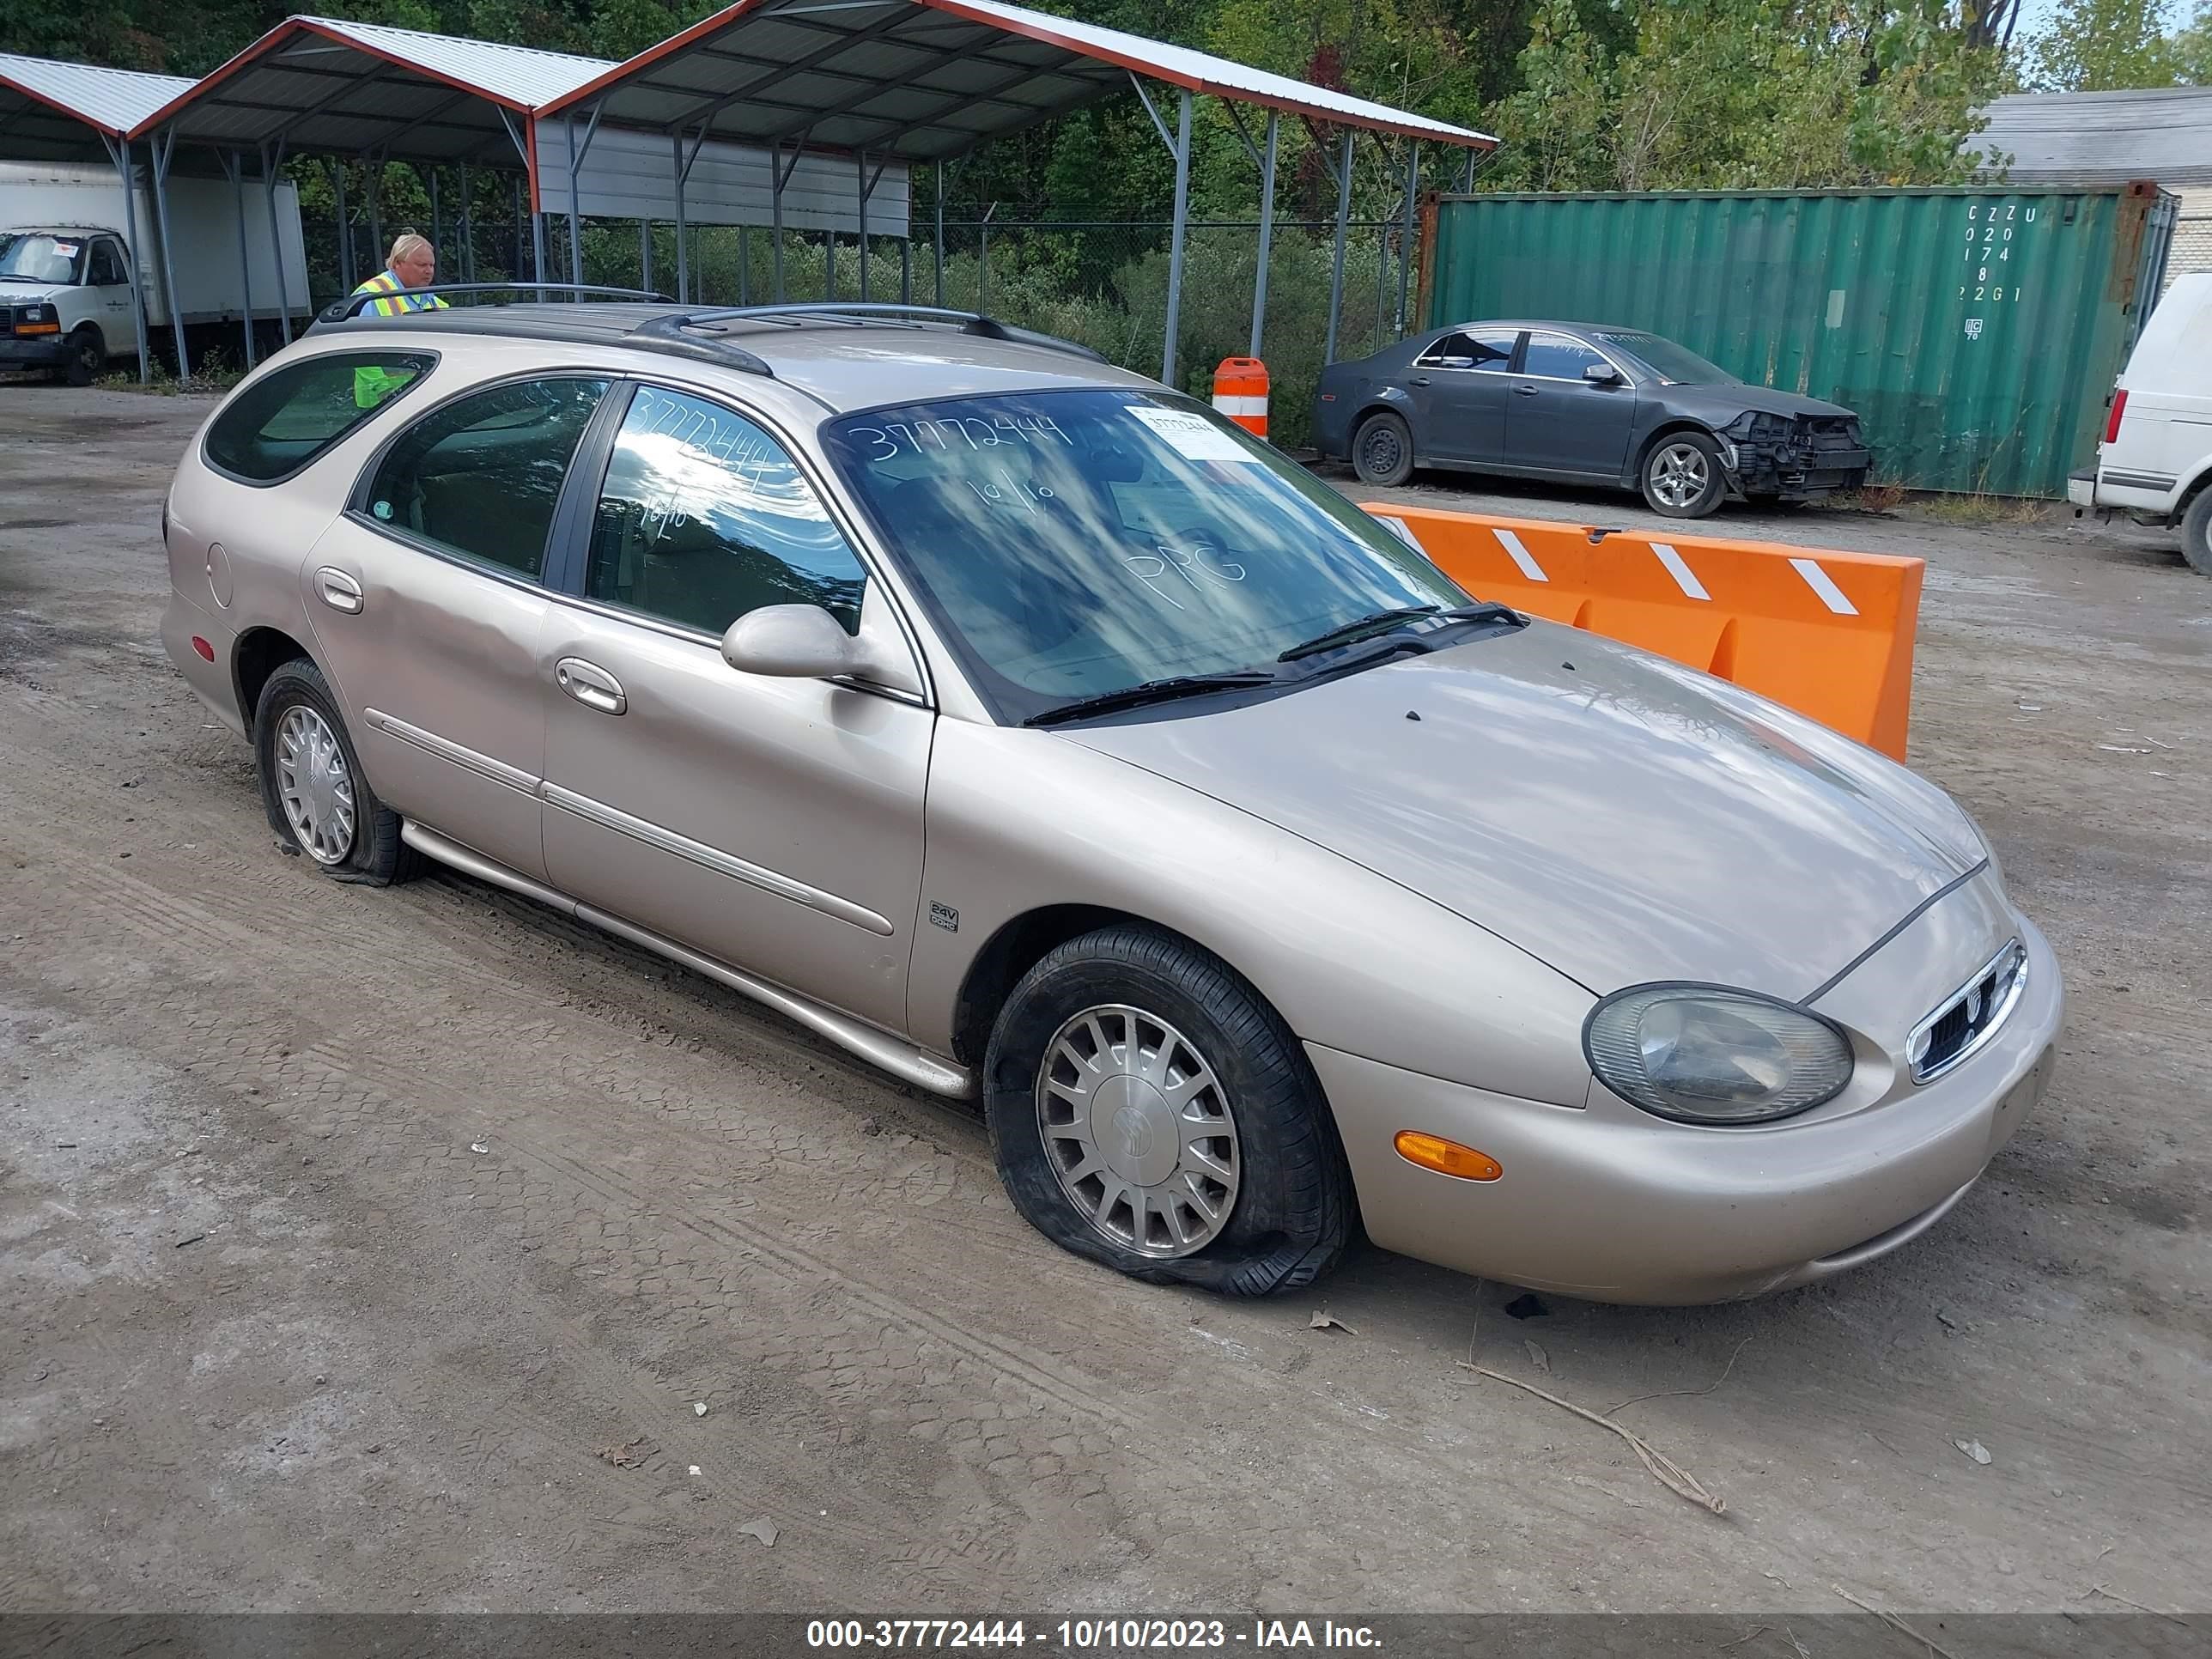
[(1969, 1017)]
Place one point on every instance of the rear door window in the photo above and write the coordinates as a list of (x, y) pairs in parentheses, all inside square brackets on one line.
[(278, 424), (481, 476), (1484, 352), (705, 517)]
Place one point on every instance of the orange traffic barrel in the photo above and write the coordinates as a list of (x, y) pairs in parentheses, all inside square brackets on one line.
[(1240, 392)]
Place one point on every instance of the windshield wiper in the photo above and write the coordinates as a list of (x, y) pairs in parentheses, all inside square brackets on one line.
[(1150, 692), (1382, 622)]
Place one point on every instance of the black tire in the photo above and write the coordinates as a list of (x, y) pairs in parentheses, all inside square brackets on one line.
[(375, 856), (1382, 449), (2196, 533), (1293, 1210), (1666, 464), (87, 357)]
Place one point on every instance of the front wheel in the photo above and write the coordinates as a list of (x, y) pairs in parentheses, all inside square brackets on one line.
[(2196, 533), (318, 803), (1382, 449), (1150, 1111), (1682, 476), (88, 356)]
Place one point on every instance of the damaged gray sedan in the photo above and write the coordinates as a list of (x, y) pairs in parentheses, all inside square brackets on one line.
[(1584, 405)]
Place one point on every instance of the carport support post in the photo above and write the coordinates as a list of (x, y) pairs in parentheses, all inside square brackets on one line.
[(940, 235), (372, 186), (466, 228), (272, 157), (118, 151), (861, 157), (437, 215), (164, 143), (645, 254), (575, 173), (234, 170), (1266, 237), (682, 235), (906, 264), (1176, 237), (1336, 264), (745, 264), (338, 171), (1405, 231)]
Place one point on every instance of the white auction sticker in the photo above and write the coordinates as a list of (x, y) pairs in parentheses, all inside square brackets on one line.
[(1191, 436)]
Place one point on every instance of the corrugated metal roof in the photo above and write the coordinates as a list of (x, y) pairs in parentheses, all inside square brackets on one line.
[(324, 84), (2161, 133), (113, 101), (521, 75), (926, 79)]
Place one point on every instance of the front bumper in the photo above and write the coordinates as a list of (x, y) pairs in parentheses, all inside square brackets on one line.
[(1626, 1207), (33, 350), (1798, 473)]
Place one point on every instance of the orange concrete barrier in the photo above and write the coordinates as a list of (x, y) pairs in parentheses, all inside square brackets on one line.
[(1240, 392), (1830, 635)]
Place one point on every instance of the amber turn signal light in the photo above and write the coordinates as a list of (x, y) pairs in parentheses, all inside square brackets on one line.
[(1446, 1156)]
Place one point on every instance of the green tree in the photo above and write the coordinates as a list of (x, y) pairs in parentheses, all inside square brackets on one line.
[(2099, 45)]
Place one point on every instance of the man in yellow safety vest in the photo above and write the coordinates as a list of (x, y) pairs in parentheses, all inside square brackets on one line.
[(414, 263)]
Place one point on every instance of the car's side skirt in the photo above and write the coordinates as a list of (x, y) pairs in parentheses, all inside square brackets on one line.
[(879, 1048)]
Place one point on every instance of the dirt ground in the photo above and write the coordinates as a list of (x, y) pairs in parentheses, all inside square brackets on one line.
[(375, 1250)]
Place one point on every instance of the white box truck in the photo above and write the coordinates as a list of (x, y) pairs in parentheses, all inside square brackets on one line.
[(67, 245)]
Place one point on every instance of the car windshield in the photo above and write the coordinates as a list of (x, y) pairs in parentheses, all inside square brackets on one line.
[(33, 257), (1676, 364), (1080, 542)]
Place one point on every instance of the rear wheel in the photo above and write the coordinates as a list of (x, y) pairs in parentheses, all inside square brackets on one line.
[(1150, 1111), (1682, 476), (318, 801), (1382, 449), (2196, 533)]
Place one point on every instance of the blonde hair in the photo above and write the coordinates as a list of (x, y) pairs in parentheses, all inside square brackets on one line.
[(407, 244)]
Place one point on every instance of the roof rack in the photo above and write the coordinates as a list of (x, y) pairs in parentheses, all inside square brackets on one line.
[(677, 327), (352, 305)]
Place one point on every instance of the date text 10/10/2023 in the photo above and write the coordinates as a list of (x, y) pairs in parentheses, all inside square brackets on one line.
[(1087, 1634)]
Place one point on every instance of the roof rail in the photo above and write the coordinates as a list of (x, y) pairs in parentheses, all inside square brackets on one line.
[(352, 305), (971, 322)]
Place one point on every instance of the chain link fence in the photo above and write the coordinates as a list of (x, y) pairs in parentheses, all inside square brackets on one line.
[(2192, 250), (1103, 283)]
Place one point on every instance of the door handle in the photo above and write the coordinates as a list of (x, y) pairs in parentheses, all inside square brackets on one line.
[(1420, 379), (340, 591), (591, 685), (1524, 391)]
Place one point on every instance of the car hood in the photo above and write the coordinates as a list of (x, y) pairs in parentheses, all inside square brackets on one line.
[(15, 291), (1729, 401), (1620, 818)]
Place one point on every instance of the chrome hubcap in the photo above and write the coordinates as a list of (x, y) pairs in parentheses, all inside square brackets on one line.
[(1138, 1131), (1680, 474), (313, 785)]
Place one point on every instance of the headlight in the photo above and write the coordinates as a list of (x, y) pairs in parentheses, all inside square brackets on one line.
[(1698, 1055)]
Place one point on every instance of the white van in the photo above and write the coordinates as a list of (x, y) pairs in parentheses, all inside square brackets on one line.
[(66, 239), (2155, 462)]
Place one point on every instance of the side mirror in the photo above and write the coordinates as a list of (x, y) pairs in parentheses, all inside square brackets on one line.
[(805, 642), (1601, 374)]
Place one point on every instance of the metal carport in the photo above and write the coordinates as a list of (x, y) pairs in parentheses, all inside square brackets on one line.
[(918, 81), (324, 86), (55, 112)]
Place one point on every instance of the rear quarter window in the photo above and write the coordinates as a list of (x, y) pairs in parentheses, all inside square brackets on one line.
[(275, 427)]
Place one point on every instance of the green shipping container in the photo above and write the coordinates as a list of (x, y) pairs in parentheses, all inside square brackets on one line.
[(1976, 332)]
